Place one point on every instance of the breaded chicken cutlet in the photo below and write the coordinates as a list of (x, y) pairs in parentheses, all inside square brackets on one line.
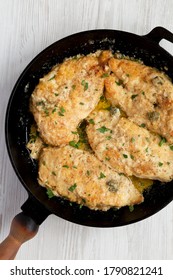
[(80, 177), (143, 93), (65, 96), (128, 148)]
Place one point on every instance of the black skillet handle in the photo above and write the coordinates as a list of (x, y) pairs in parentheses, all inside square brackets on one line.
[(159, 33), (35, 210), (24, 226)]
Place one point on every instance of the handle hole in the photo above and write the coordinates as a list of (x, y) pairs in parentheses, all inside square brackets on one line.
[(166, 45)]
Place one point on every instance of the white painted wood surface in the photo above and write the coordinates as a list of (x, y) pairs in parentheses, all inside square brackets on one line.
[(26, 28)]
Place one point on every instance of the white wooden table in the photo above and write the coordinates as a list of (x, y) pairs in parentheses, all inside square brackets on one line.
[(26, 28)]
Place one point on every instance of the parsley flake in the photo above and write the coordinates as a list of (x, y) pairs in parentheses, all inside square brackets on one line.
[(49, 193), (119, 83), (162, 141), (107, 158), (61, 112), (74, 132), (102, 175), (131, 208), (103, 129), (134, 96), (84, 84), (40, 103), (66, 166), (54, 110), (108, 137), (125, 156), (72, 188), (105, 75), (91, 121), (142, 125), (74, 144)]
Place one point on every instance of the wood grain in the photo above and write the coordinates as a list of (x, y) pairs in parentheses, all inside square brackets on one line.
[(26, 28)]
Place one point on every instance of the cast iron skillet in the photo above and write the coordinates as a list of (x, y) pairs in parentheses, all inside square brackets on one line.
[(18, 122)]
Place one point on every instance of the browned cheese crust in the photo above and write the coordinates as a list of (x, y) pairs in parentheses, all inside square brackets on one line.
[(80, 177)]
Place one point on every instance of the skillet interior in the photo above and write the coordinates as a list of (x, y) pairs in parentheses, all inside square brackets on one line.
[(19, 120)]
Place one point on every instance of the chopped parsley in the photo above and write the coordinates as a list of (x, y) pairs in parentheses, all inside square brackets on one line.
[(134, 96), (66, 166), (160, 163), (102, 175), (61, 112), (103, 129), (49, 193), (131, 156), (56, 94), (74, 132), (46, 112), (40, 103), (74, 144), (171, 147), (105, 75), (91, 121), (81, 103), (107, 158), (53, 173), (119, 83), (131, 208), (132, 139), (125, 156), (84, 84), (72, 188), (162, 141), (108, 137), (142, 125), (88, 172), (54, 110)]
